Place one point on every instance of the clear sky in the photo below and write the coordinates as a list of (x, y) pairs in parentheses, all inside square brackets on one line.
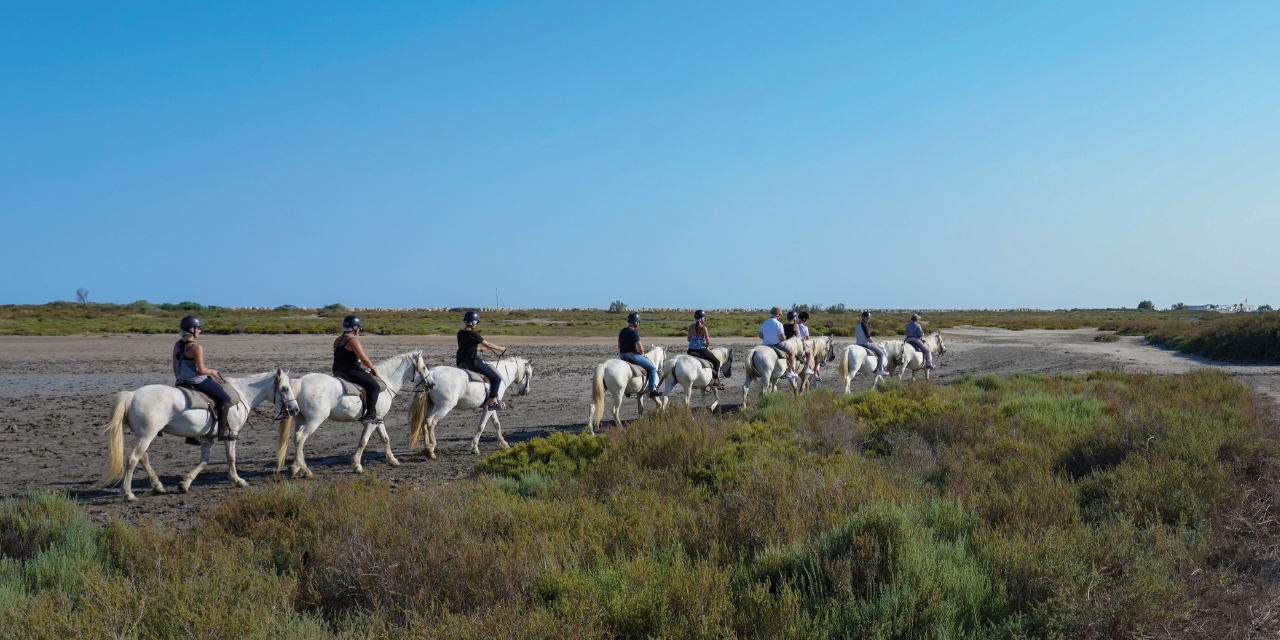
[(665, 154)]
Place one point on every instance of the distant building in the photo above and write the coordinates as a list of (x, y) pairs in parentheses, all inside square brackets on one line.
[(1243, 307)]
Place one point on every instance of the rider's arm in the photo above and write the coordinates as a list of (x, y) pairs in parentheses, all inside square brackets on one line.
[(175, 361), (706, 336), (490, 345), (199, 358), (358, 349)]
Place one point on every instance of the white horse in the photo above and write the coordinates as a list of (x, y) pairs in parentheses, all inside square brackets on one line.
[(858, 359), (322, 397), (689, 373), (764, 363), (900, 354), (615, 376), (449, 388), (823, 349), (156, 408)]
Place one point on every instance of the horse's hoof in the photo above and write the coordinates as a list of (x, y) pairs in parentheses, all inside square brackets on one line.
[(129, 497), (431, 455), (475, 451), (242, 484), (184, 487), (504, 444), (357, 469), (159, 491), (393, 462)]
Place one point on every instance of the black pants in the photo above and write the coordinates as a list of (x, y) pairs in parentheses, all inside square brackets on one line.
[(370, 386), (214, 391), (706, 354), (480, 367)]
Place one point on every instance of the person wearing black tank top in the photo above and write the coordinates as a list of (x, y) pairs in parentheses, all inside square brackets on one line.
[(348, 355), (469, 343)]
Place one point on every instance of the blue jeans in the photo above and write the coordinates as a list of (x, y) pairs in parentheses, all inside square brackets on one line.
[(638, 359)]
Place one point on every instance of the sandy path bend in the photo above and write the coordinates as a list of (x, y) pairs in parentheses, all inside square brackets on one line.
[(55, 393)]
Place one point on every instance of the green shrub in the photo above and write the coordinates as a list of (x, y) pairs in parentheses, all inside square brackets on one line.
[(559, 453), (1106, 337)]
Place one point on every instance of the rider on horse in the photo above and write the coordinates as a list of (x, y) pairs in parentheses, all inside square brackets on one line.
[(802, 330), (915, 338), (348, 355), (189, 369), (700, 344), (469, 343), (862, 335), (631, 350), (773, 334)]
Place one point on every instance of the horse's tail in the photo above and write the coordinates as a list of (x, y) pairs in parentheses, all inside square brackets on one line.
[(418, 415), (597, 394), (282, 447), (115, 439), (844, 365)]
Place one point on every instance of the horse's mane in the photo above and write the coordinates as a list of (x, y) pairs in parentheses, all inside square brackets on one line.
[(393, 360)]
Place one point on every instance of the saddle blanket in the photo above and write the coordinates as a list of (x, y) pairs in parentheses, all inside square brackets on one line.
[(198, 401), (637, 371), (475, 377)]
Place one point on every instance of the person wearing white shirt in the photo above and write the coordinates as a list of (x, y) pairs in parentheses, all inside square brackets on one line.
[(772, 335)]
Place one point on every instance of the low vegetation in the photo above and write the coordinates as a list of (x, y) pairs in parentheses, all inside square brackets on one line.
[(1003, 507)]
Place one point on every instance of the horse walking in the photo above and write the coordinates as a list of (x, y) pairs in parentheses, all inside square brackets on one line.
[(616, 376), (857, 359), (824, 350), (690, 373), (764, 363), (908, 357), (155, 408), (322, 397), (449, 388)]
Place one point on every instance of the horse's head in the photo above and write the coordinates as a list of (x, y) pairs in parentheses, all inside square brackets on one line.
[(830, 356), (525, 371), (727, 369), (419, 369), (942, 348), (282, 394)]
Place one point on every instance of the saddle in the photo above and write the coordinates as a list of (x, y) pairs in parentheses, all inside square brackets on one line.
[(638, 371), (350, 388), (781, 354), (706, 364), (475, 377), (197, 400)]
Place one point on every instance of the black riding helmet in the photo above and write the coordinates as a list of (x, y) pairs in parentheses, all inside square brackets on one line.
[(791, 315), (470, 317), (866, 314), (633, 318), (699, 314), (351, 322), (804, 316), (189, 323)]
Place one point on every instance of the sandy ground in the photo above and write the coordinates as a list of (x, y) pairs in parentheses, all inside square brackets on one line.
[(55, 393)]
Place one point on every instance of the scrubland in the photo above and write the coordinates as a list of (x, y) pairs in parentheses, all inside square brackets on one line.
[(1096, 506)]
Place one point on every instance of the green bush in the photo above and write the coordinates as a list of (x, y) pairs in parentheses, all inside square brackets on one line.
[(1106, 337), (559, 453)]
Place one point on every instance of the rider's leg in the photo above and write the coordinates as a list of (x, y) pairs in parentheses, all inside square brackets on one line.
[(881, 358), (924, 349), (715, 363), (371, 392), (638, 359), (221, 404), (495, 380)]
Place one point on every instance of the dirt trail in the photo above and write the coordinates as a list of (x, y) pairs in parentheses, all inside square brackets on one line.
[(55, 393)]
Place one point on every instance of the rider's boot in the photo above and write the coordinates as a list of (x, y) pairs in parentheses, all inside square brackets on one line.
[(224, 428)]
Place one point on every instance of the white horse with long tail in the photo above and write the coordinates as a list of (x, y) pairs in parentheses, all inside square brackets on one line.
[(617, 376), (690, 373), (449, 388), (764, 363), (908, 357), (857, 359), (323, 397), (156, 408)]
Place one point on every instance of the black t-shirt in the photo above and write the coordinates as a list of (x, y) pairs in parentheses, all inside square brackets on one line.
[(627, 339), (789, 330), (468, 340)]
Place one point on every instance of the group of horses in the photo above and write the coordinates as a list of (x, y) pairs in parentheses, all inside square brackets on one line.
[(312, 399), (620, 379)]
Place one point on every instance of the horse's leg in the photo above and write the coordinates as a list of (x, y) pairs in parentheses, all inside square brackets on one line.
[(498, 423), (206, 447), (617, 408), (382, 433), (299, 444), (434, 418), (475, 442), (139, 449), (156, 485), (369, 427), (231, 465), (714, 403)]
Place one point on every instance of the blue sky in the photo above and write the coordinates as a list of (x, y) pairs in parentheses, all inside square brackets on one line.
[(681, 154)]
